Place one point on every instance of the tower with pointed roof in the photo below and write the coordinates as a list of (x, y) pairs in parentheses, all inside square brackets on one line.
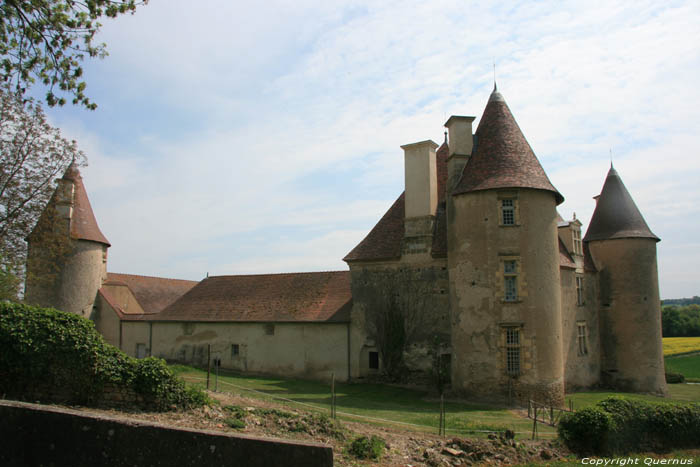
[(623, 249), (503, 262), (67, 254)]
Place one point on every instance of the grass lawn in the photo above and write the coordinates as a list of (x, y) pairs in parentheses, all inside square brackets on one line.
[(373, 403), (687, 365), (680, 345), (677, 393)]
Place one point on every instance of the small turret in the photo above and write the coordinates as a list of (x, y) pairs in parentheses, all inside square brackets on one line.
[(67, 254), (624, 251)]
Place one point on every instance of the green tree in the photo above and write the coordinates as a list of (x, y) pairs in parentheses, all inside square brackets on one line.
[(32, 155), (46, 40)]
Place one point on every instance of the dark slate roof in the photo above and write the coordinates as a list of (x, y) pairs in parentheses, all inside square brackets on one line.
[(616, 215), (154, 294), (83, 223), (503, 158), (293, 297), (385, 240)]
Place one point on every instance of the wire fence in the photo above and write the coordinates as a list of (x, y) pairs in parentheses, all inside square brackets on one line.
[(349, 415)]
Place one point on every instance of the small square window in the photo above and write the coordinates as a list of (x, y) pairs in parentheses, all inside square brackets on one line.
[(235, 350), (270, 329), (374, 360)]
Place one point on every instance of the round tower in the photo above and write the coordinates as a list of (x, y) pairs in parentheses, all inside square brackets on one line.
[(504, 268), (67, 253), (623, 249)]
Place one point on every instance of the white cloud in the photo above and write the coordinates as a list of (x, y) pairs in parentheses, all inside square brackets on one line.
[(221, 119)]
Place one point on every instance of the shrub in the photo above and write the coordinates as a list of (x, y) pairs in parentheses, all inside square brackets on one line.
[(234, 422), (618, 426), (54, 356), (365, 447), (675, 378)]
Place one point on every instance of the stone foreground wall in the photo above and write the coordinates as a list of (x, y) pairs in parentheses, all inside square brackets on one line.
[(31, 434)]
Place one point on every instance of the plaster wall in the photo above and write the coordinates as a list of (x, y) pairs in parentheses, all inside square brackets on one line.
[(106, 321), (420, 282), (581, 365), (478, 246), (630, 315), (308, 350), (82, 276), (133, 334)]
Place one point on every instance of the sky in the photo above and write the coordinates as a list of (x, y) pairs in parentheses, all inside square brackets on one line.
[(248, 137)]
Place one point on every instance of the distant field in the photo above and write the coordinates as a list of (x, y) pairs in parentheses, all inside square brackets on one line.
[(679, 345)]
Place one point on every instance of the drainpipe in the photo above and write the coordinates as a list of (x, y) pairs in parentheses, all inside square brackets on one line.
[(348, 346), (150, 338)]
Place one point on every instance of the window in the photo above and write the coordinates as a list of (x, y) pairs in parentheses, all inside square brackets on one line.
[(270, 329), (510, 280), (235, 350), (512, 351), (579, 290), (578, 245), (374, 360), (582, 344), (140, 350), (507, 212)]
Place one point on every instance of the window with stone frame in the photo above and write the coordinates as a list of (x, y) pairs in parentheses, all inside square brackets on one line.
[(578, 244), (235, 350), (512, 350), (510, 280), (508, 211), (582, 338), (579, 290)]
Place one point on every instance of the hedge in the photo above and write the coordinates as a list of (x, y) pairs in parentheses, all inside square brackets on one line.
[(618, 425), (53, 356)]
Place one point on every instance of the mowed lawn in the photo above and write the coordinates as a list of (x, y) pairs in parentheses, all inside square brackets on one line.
[(373, 403), (682, 355)]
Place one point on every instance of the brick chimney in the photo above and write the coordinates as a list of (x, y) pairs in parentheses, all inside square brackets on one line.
[(421, 195)]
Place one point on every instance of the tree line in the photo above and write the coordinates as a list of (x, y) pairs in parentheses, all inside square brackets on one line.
[(680, 321)]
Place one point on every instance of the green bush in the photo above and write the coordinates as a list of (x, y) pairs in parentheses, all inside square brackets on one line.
[(675, 378), (54, 356), (365, 447), (618, 426), (234, 422)]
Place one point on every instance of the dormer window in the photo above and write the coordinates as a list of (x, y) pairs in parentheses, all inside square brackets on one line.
[(578, 245)]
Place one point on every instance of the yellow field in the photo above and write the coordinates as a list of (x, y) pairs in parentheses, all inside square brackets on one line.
[(678, 345)]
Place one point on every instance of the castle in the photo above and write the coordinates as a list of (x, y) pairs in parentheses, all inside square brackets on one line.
[(472, 264)]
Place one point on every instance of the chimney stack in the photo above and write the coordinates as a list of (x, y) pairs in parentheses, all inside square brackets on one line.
[(421, 195), (461, 144)]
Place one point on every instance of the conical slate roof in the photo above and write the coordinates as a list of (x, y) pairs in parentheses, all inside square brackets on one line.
[(83, 224), (503, 157), (616, 215)]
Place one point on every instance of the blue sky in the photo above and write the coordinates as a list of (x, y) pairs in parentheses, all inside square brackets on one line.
[(236, 138)]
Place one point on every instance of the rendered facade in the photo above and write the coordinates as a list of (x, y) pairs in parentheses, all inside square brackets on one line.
[(472, 265)]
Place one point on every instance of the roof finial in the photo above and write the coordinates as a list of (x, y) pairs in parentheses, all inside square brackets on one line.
[(495, 88), (445, 137), (611, 162)]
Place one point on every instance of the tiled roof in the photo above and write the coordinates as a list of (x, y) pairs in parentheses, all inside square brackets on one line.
[(385, 240), (503, 158), (154, 294), (294, 297), (616, 215), (565, 259), (83, 223)]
